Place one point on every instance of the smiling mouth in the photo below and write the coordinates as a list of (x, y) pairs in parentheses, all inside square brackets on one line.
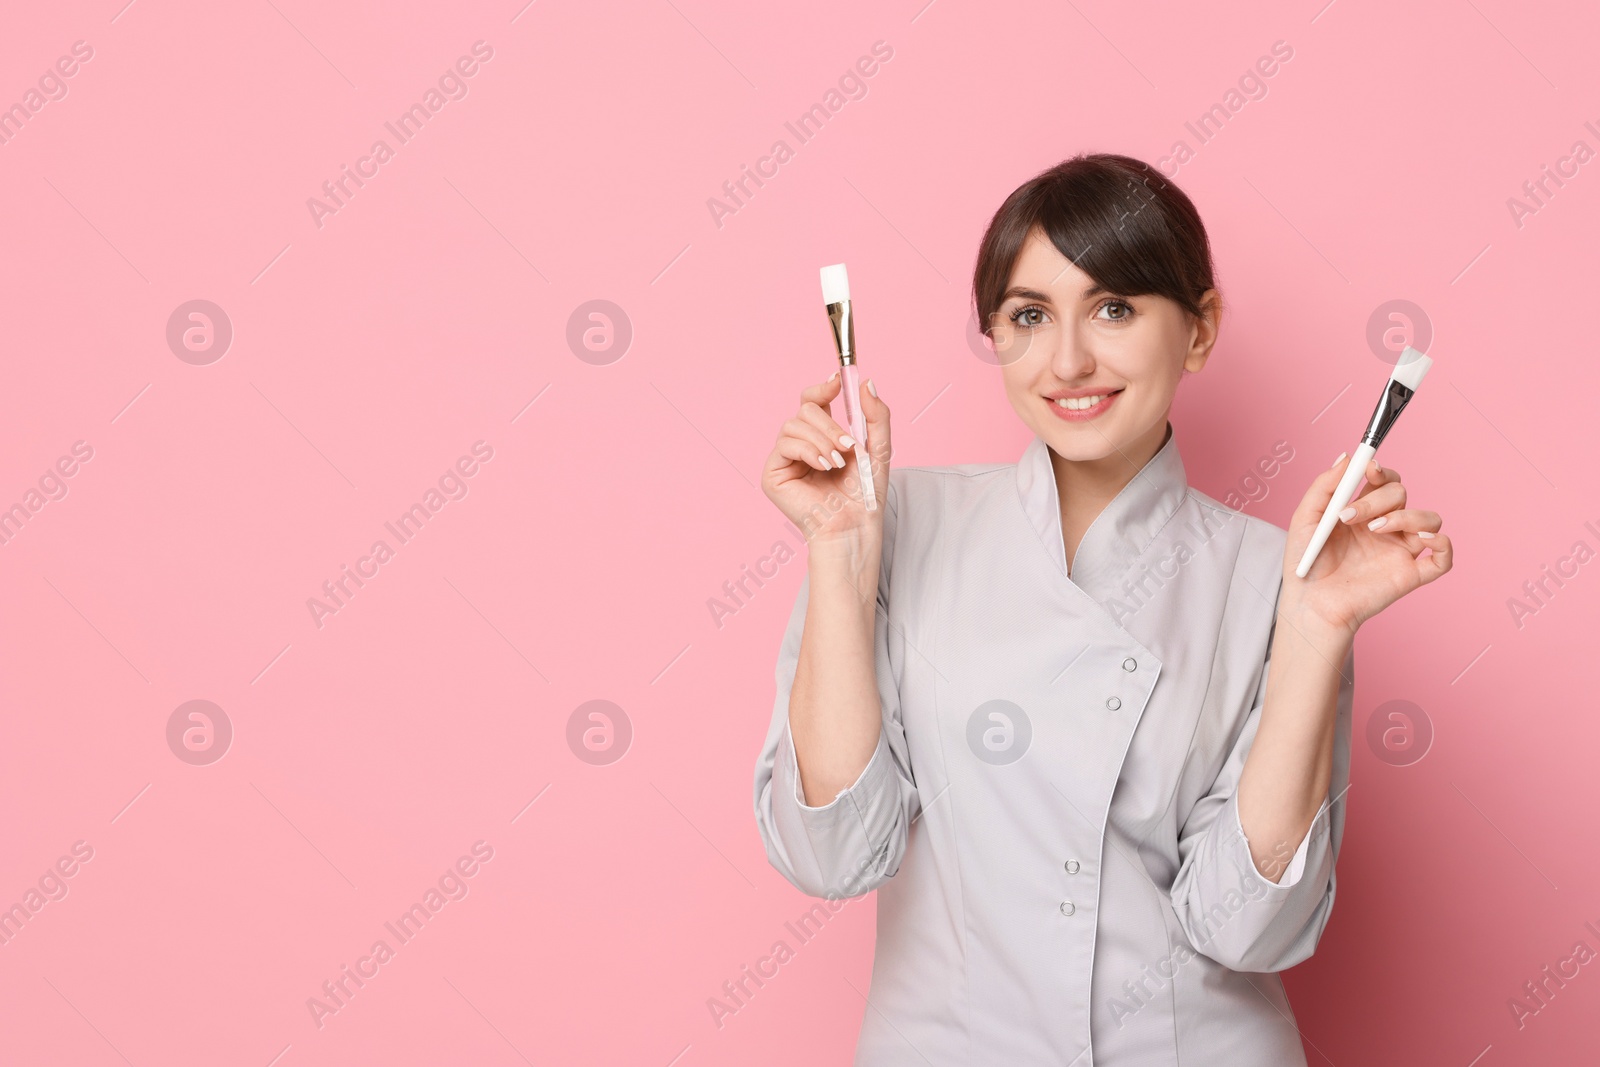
[(1083, 403), (1075, 409)]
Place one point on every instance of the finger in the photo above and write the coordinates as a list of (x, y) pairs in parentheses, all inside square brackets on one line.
[(1375, 474), (876, 415), (1407, 520), (1319, 494), (1376, 501), (1378, 474), (791, 459), (1413, 527), (829, 427), (822, 392), (816, 443), (1436, 562), (802, 452)]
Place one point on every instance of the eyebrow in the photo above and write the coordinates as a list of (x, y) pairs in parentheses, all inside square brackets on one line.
[(1034, 294)]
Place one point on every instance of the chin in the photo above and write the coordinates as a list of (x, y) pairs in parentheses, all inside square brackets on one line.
[(1094, 440), (1083, 445)]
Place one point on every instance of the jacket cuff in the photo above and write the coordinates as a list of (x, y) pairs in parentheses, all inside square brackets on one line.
[(845, 847), (852, 802), (1291, 876)]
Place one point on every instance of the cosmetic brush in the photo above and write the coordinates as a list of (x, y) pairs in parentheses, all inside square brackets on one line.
[(836, 295), (1397, 392)]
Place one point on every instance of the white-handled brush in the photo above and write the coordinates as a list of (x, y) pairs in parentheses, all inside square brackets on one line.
[(1402, 386)]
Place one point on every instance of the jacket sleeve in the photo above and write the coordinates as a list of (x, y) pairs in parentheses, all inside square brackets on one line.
[(852, 844), (1230, 911)]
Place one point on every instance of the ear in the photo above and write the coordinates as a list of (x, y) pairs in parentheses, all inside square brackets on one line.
[(1203, 332)]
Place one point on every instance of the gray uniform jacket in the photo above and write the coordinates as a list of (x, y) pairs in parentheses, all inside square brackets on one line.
[(1050, 817)]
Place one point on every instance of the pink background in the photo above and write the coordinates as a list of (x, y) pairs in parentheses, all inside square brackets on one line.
[(428, 313)]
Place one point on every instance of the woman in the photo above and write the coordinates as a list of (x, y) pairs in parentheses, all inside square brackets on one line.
[(1031, 703)]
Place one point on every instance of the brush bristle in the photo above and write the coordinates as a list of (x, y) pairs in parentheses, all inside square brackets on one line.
[(1411, 368), (835, 284)]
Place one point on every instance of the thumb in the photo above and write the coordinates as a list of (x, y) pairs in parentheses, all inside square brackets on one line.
[(876, 415), (1326, 485)]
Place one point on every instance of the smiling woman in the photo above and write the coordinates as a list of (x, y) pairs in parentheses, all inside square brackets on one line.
[(1143, 822), (1089, 279)]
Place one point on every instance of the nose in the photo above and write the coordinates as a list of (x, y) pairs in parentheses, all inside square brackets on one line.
[(1072, 357)]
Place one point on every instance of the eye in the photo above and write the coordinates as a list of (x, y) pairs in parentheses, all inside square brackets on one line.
[(1029, 315), (1127, 310)]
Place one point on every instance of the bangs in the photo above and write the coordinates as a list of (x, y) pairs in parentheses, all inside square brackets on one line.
[(1117, 219)]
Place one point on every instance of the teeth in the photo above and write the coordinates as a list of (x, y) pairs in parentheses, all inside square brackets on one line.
[(1081, 403)]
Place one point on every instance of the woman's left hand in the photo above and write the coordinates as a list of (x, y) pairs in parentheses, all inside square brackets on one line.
[(1360, 570)]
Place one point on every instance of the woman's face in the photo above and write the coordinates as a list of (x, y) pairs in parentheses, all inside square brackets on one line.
[(1057, 335)]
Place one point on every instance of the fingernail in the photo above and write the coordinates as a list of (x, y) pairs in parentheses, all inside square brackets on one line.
[(838, 460), (822, 461), (847, 441), (1340, 459), (1377, 522), (873, 389), (1347, 514), (832, 376), (1425, 534)]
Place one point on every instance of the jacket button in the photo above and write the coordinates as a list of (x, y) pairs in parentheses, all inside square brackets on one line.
[(1072, 866), (1129, 664), (1067, 908), (1114, 703)]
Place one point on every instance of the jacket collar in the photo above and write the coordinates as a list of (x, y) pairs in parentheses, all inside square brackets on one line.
[(1119, 534)]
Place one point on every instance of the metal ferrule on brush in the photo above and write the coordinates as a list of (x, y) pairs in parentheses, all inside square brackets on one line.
[(1384, 416), (844, 331)]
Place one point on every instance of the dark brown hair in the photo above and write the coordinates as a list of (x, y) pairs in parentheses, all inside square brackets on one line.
[(1118, 219)]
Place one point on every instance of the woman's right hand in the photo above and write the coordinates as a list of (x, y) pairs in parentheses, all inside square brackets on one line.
[(801, 478)]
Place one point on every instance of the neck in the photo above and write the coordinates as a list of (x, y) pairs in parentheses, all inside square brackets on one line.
[(1085, 486), (1084, 481)]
